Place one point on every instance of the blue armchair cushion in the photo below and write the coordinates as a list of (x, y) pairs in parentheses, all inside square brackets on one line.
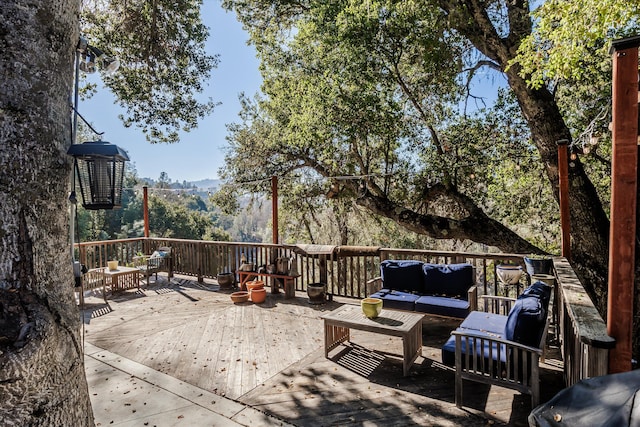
[(453, 280), (449, 350), (485, 322), (540, 289), (526, 321), (402, 275), (443, 306), (397, 300)]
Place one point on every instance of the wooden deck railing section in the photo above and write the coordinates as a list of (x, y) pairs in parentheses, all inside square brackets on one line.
[(582, 332), (346, 269)]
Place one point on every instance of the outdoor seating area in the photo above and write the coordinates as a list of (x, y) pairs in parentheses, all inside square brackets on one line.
[(271, 357)]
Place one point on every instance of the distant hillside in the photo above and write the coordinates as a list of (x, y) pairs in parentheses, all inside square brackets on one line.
[(201, 185), (206, 184)]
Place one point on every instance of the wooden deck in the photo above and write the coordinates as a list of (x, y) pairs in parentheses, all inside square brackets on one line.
[(271, 356)]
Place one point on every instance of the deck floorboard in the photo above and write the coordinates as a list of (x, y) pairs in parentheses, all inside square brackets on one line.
[(271, 356)]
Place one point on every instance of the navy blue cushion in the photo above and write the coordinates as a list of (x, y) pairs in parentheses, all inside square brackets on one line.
[(486, 322), (443, 306), (526, 321), (397, 300), (540, 289), (402, 275), (449, 350), (448, 279)]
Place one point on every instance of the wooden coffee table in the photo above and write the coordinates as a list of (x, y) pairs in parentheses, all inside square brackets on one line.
[(122, 278), (402, 324)]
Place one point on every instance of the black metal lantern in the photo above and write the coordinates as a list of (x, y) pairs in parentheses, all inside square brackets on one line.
[(99, 166)]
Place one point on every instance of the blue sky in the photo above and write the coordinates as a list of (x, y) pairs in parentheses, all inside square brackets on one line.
[(199, 154)]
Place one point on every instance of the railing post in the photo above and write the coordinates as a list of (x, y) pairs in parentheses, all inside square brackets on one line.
[(624, 162), (565, 224), (200, 249), (145, 209), (274, 207)]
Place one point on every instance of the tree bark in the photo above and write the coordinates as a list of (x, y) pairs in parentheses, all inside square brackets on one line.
[(475, 226), (42, 380)]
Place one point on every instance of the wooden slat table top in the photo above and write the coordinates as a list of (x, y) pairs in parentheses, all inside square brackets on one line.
[(389, 322), (120, 270)]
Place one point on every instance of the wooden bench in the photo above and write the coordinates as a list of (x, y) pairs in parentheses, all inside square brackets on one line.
[(288, 281), (92, 279)]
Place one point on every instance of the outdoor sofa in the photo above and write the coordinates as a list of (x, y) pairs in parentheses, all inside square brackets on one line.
[(436, 289), (502, 349)]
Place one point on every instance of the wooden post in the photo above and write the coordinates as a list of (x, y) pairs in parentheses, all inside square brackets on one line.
[(274, 207), (623, 201), (565, 222), (145, 209)]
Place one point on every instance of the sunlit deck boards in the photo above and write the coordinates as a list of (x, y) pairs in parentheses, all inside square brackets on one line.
[(271, 356)]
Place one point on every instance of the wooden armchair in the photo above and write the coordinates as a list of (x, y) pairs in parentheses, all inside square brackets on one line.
[(496, 361), (149, 265), (92, 279), (501, 346)]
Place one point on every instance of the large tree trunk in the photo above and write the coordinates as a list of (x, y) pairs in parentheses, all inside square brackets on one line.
[(42, 381), (589, 222)]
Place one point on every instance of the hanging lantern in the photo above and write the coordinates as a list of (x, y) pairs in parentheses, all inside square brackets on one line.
[(99, 166)]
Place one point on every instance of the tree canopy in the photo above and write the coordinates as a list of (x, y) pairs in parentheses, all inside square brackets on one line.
[(571, 38), (160, 46), (380, 103)]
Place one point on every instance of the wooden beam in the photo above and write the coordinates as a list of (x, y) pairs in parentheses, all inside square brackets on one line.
[(274, 207), (145, 209), (563, 173), (623, 203)]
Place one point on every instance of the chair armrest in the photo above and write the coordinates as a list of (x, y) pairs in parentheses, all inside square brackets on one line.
[(373, 285), (472, 297), (497, 304), (471, 334)]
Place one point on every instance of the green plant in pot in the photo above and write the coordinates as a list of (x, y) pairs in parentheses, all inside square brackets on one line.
[(538, 264)]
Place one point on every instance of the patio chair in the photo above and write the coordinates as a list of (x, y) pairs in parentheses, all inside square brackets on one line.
[(499, 349), (159, 260), (92, 279)]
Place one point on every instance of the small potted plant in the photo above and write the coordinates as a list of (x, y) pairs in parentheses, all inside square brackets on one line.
[(538, 264)]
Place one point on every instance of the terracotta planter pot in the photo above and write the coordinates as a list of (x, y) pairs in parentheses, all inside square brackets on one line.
[(241, 296), (258, 295), (254, 284)]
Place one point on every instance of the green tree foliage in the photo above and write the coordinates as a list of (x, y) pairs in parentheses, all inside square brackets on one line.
[(160, 45), (369, 91), (572, 38)]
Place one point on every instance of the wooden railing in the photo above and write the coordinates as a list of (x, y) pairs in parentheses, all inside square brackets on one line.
[(346, 269), (583, 335)]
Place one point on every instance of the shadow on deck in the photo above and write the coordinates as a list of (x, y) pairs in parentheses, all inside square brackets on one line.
[(271, 357)]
